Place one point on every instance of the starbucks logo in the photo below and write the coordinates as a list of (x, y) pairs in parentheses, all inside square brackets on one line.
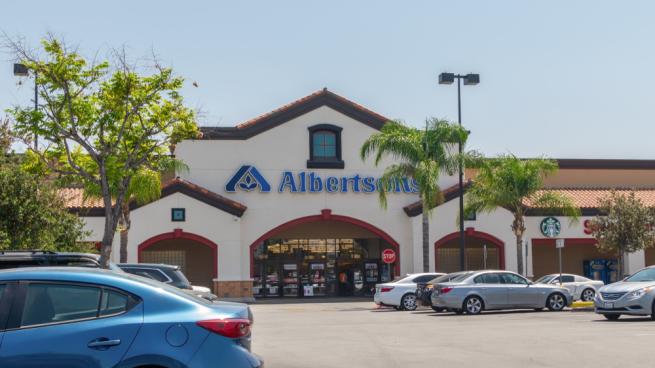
[(550, 227)]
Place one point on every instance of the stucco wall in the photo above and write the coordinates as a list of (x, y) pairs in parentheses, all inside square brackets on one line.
[(286, 147)]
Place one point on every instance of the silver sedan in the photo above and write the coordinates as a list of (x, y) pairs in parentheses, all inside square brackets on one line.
[(494, 290), (634, 295)]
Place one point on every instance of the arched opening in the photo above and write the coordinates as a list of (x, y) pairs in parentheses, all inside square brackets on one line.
[(196, 255), (483, 251), (321, 255)]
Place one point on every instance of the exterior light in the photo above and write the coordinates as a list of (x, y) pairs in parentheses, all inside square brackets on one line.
[(20, 70), (471, 79), (446, 78)]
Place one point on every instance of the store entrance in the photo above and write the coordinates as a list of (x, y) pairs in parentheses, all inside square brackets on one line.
[(293, 268)]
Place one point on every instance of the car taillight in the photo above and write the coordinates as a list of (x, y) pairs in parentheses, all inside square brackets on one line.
[(386, 289), (233, 328), (445, 290)]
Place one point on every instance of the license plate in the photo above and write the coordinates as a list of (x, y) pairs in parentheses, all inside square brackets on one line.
[(608, 305)]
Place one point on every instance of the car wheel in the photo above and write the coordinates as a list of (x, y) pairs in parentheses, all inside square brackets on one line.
[(437, 309), (408, 302), (556, 302), (587, 295), (473, 305), (612, 317)]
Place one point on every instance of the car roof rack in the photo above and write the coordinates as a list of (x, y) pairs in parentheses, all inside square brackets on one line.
[(30, 251)]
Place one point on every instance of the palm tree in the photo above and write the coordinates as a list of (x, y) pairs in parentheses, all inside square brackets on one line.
[(421, 155), (513, 184)]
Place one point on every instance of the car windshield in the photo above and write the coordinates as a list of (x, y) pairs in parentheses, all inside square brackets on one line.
[(405, 279), (460, 277), (441, 278), (647, 274), (544, 279)]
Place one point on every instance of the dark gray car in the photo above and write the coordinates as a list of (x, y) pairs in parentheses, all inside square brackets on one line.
[(494, 290)]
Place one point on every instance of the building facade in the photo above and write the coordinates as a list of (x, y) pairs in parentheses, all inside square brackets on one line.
[(284, 206)]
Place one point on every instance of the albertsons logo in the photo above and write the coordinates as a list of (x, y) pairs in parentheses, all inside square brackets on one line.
[(247, 178)]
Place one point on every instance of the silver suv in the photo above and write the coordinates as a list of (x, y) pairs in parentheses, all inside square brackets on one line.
[(633, 295)]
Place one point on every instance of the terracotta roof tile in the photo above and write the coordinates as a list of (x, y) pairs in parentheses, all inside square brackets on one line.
[(75, 202), (294, 109), (74, 198), (589, 197)]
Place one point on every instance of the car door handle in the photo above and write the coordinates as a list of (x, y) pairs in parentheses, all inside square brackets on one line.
[(103, 343)]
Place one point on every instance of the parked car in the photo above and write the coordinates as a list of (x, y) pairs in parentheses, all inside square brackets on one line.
[(45, 258), (424, 289), (400, 293), (41, 258), (493, 290), (168, 274), (634, 295), (92, 318), (581, 288)]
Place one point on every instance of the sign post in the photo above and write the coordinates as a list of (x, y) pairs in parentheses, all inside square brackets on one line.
[(484, 247), (559, 244)]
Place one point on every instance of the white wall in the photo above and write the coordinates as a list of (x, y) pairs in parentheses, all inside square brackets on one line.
[(286, 147)]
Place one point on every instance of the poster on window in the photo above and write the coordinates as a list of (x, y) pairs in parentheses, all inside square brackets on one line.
[(308, 290)]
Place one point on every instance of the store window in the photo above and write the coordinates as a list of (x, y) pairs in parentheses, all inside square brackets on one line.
[(319, 267), (325, 147)]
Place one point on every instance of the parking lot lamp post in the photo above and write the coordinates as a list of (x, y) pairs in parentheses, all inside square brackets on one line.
[(469, 80), (20, 70)]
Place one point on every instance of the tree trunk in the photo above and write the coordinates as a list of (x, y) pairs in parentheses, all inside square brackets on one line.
[(620, 269), (425, 227), (518, 227), (107, 238), (126, 223)]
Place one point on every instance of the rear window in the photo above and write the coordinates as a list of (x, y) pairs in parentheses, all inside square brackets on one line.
[(148, 273)]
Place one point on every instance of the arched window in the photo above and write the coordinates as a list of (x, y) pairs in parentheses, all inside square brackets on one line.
[(325, 147)]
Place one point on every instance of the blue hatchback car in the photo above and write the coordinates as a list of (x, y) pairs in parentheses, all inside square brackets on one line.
[(88, 318)]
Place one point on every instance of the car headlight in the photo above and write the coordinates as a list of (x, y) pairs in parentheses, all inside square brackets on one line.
[(639, 293)]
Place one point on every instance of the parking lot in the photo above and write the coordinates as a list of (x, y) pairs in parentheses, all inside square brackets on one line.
[(357, 334)]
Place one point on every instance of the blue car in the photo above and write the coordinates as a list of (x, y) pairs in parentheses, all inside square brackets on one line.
[(87, 318)]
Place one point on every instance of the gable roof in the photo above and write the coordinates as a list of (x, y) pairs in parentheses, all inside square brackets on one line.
[(293, 110), (94, 207)]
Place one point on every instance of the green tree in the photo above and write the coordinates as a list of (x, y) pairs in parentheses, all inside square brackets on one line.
[(512, 183), (32, 215), (422, 155), (625, 225), (102, 125), (144, 188)]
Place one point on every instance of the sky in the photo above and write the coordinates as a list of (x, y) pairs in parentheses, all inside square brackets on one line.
[(559, 78)]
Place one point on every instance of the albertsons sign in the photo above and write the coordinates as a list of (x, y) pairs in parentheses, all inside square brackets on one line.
[(248, 178)]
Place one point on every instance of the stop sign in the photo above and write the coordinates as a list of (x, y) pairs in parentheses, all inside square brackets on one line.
[(388, 256)]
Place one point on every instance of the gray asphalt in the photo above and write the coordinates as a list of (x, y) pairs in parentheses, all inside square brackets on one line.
[(357, 334)]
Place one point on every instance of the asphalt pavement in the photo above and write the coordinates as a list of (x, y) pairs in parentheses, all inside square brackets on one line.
[(358, 334)]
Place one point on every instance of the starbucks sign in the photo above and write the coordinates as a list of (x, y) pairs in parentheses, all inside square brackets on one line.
[(550, 227)]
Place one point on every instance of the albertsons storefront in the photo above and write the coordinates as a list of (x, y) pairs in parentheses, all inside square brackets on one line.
[(283, 206)]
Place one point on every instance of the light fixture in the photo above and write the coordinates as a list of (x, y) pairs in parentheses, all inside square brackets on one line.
[(471, 79), (446, 78), (20, 70)]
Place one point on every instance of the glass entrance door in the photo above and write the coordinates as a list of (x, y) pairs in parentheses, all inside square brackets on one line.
[(290, 280)]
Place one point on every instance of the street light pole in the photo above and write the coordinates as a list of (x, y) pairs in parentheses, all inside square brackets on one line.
[(20, 70), (469, 79)]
